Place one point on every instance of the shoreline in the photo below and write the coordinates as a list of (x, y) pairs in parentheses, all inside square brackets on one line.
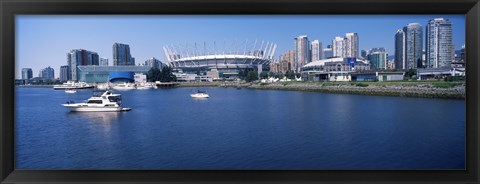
[(422, 89), (452, 90)]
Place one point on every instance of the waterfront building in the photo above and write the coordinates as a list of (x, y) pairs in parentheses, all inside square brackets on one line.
[(328, 52), (47, 73), (337, 64), (27, 73), (101, 74), (408, 47), (317, 50), (439, 43), (121, 55), (64, 73), (377, 76), (439, 73), (338, 47), (103, 62), (302, 52), (228, 62), (80, 57), (377, 58), (154, 62), (351, 45)]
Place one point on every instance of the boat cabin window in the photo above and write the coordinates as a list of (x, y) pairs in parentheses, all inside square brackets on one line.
[(114, 98), (95, 101)]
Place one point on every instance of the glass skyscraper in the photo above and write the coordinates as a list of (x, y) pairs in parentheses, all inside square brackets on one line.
[(27, 73), (408, 47), (121, 55), (80, 57), (64, 73), (378, 58), (439, 43), (400, 50), (47, 73)]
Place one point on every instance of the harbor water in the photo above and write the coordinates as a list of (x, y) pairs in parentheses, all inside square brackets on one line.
[(239, 129)]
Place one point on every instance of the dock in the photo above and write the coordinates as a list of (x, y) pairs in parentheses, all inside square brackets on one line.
[(166, 84)]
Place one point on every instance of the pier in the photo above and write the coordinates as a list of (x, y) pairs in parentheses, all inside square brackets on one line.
[(166, 84)]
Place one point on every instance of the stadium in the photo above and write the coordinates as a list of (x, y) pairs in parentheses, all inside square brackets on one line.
[(220, 60)]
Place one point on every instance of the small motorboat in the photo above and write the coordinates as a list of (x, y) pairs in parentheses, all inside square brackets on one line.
[(200, 94), (106, 102)]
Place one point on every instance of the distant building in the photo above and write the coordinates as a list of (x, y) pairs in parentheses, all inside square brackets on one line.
[(101, 74), (328, 52), (377, 58), (351, 45), (154, 62), (47, 73), (80, 57), (338, 47), (27, 73), (302, 52), (408, 47), (363, 54), (64, 73), (103, 62), (121, 55), (317, 50), (439, 45)]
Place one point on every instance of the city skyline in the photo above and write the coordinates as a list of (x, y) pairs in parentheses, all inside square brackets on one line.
[(146, 35)]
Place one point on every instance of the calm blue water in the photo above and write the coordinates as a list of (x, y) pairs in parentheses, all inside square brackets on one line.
[(239, 129)]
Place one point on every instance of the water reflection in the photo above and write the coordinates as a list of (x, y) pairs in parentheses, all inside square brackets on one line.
[(99, 117)]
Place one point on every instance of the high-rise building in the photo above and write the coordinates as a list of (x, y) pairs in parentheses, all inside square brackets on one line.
[(317, 50), (121, 55), (439, 43), (413, 45), (328, 52), (80, 57), (64, 73), (103, 62), (400, 50), (154, 62), (462, 54), (27, 73), (377, 58), (338, 47), (351, 45), (302, 52), (408, 47), (47, 73)]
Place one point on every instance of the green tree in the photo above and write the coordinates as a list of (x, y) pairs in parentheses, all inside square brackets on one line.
[(153, 74), (251, 76), (290, 74), (264, 75)]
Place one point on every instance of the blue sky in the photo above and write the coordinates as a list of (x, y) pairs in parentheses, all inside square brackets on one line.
[(44, 40)]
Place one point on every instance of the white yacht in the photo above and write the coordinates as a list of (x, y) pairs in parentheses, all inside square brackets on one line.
[(200, 94), (103, 86), (73, 85), (123, 86), (106, 102), (147, 85)]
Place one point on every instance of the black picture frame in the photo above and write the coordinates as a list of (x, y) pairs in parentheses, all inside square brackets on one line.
[(10, 8)]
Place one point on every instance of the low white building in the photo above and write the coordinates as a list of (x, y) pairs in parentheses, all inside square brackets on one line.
[(140, 78)]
